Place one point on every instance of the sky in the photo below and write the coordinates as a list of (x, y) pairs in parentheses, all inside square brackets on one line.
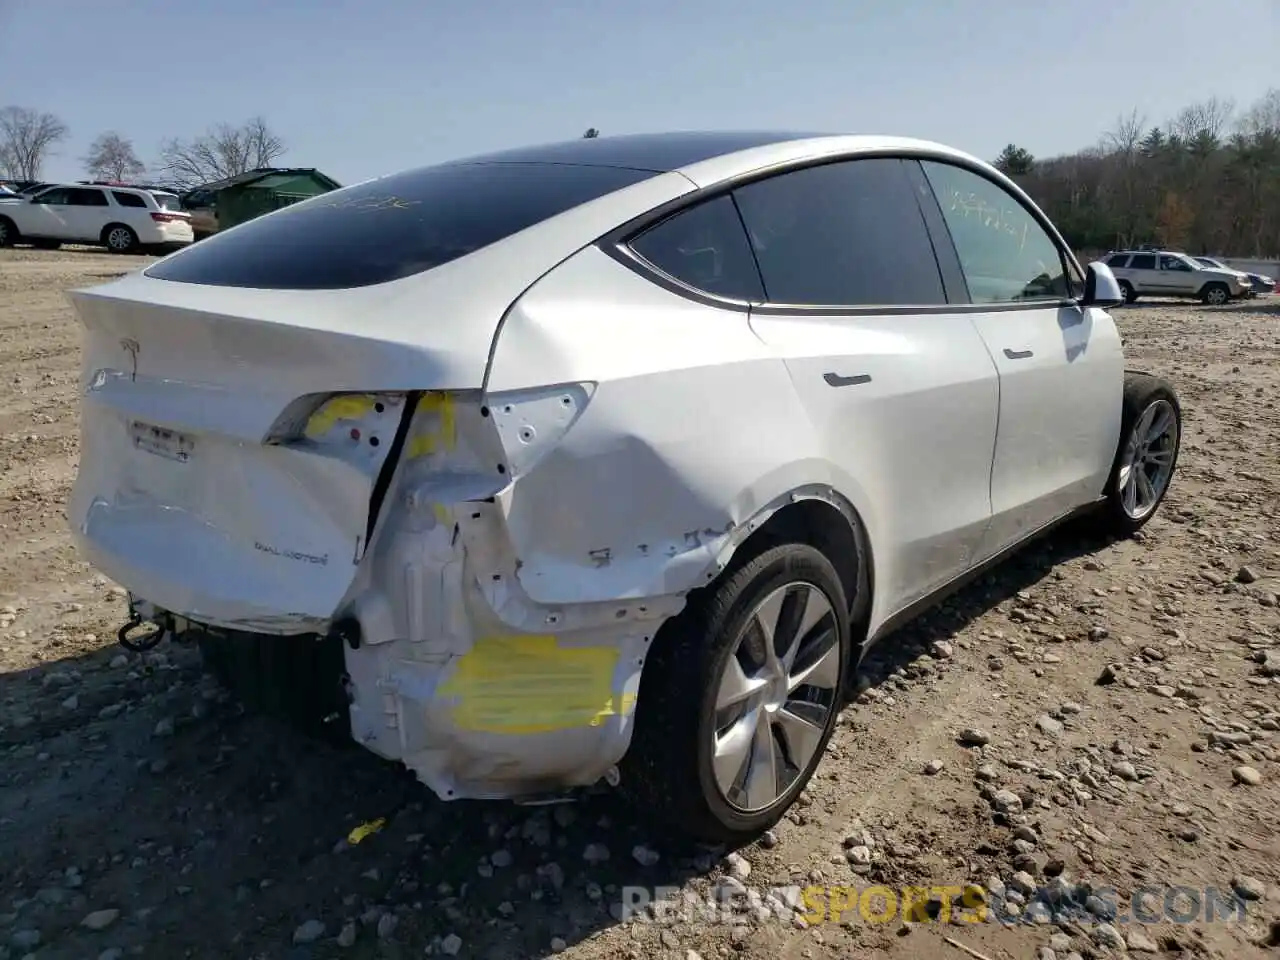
[(361, 89)]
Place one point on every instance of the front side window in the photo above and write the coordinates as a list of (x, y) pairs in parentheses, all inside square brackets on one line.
[(88, 198), (1174, 263), (1005, 253), (56, 196), (704, 247), (1143, 261), (392, 227), (842, 234)]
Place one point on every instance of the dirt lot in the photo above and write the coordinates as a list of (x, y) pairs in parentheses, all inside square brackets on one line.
[(1125, 699)]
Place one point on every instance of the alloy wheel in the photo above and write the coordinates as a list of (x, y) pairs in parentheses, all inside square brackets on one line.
[(776, 696), (1148, 459)]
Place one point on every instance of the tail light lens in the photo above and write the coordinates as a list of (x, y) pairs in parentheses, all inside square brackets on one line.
[(169, 217)]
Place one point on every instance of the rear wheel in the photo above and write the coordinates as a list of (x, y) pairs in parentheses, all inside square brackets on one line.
[(1126, 288), (8, 232), (1215, 294), (119, 238), (740, 696), (1150, 436)]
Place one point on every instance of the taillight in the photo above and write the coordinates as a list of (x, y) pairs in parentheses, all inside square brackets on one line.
[(168, 217), (356, 427)]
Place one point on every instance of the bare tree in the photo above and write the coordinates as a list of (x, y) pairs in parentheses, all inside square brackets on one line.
[(591, 133), (1125, 136), (224, 151), (27, 138), (111, 157), (1206, 120), (1264, 116)]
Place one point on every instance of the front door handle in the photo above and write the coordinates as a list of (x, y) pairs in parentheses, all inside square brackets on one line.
[(835, 380), (1016, 354)]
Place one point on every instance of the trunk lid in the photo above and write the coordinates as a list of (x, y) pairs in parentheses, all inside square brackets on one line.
[(180, 498)]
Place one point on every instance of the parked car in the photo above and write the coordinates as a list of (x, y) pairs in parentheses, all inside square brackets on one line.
[(1167, 273), (604, 461), (1258, 283), (203, 207), (122, 219)]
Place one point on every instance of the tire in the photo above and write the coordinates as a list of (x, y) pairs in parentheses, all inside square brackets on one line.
[(119, 238), (1126, 288), (1124, 515), (1215, 294), (669, 770), (9, 234)]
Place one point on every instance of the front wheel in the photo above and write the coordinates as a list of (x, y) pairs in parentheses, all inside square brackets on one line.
[(1215, 294), (1126, 289), (1150, 437), (740, 696), (8, 232)]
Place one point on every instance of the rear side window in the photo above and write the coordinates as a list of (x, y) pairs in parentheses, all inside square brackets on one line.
[(128, 199), (706, 248), (1143, 261), (842, 234), (1005, 253), (392, 227), (1119, 260)]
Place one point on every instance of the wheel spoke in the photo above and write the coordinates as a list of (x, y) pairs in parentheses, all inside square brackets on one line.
[(733, 750), (1161, 422), (1162, 457), (1143, 427), (761, 786), (1147, 491), (1129, 489), (811, 608), (736, 687), (767, 618), (801, 733), (820, 666)]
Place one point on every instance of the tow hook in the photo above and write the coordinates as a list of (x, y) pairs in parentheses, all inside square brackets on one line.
[(140, 644)]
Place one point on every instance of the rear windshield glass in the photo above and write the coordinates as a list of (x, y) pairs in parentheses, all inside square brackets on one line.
[(167, 201), (392, 227)]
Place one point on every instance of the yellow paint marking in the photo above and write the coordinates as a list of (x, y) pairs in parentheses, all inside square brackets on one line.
[(339, 408), (530, 684), (366, 830), (441, 512), (444, 436)]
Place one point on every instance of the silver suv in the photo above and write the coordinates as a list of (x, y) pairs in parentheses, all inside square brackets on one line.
[(1166, 273)]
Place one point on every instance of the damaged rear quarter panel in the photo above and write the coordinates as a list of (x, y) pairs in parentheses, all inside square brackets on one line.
[(693, 431)]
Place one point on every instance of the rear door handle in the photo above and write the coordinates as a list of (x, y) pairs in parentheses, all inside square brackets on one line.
[(1016, 354), (835, 380)]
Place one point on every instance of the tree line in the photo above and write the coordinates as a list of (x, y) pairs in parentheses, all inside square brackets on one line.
[(1206, 181), (29, 137)]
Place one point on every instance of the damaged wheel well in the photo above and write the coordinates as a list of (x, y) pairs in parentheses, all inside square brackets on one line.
[(825, 527)]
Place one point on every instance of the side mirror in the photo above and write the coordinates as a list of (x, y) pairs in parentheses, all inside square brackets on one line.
[(1100, 287)]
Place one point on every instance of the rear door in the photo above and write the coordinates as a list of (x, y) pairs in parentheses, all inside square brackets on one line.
[(1060, 366), (897, 383), (1144, 273)]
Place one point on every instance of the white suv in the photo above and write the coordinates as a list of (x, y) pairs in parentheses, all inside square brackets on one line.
[(605, 460), (1167, 273), (122, 219)]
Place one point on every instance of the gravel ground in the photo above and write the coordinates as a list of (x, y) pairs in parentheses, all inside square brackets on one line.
[(1091, 726)]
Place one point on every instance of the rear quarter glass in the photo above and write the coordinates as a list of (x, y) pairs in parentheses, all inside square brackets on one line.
[(391, 228)]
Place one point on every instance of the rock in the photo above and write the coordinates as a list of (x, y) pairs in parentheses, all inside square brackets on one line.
[(1060, 942), (1110, 673), (858, 856), (738, 866), (595, 853), (450, 945), (387, 924), (1125, 770), (1249, 888), (72, 702), (645, 856), (1006, 801), (1246, 574), (1023, 882), (26, 939), (559, 945), (1139, 942), (100, 919), (1108, 936), (1048, 726), (347, 935), (119, 661), (308, 932), (1246, 775), (987, 772), (933, 767), (501, 858), (111, 953), (164, 728), (942, 650), (973, 737), (768, 840)]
